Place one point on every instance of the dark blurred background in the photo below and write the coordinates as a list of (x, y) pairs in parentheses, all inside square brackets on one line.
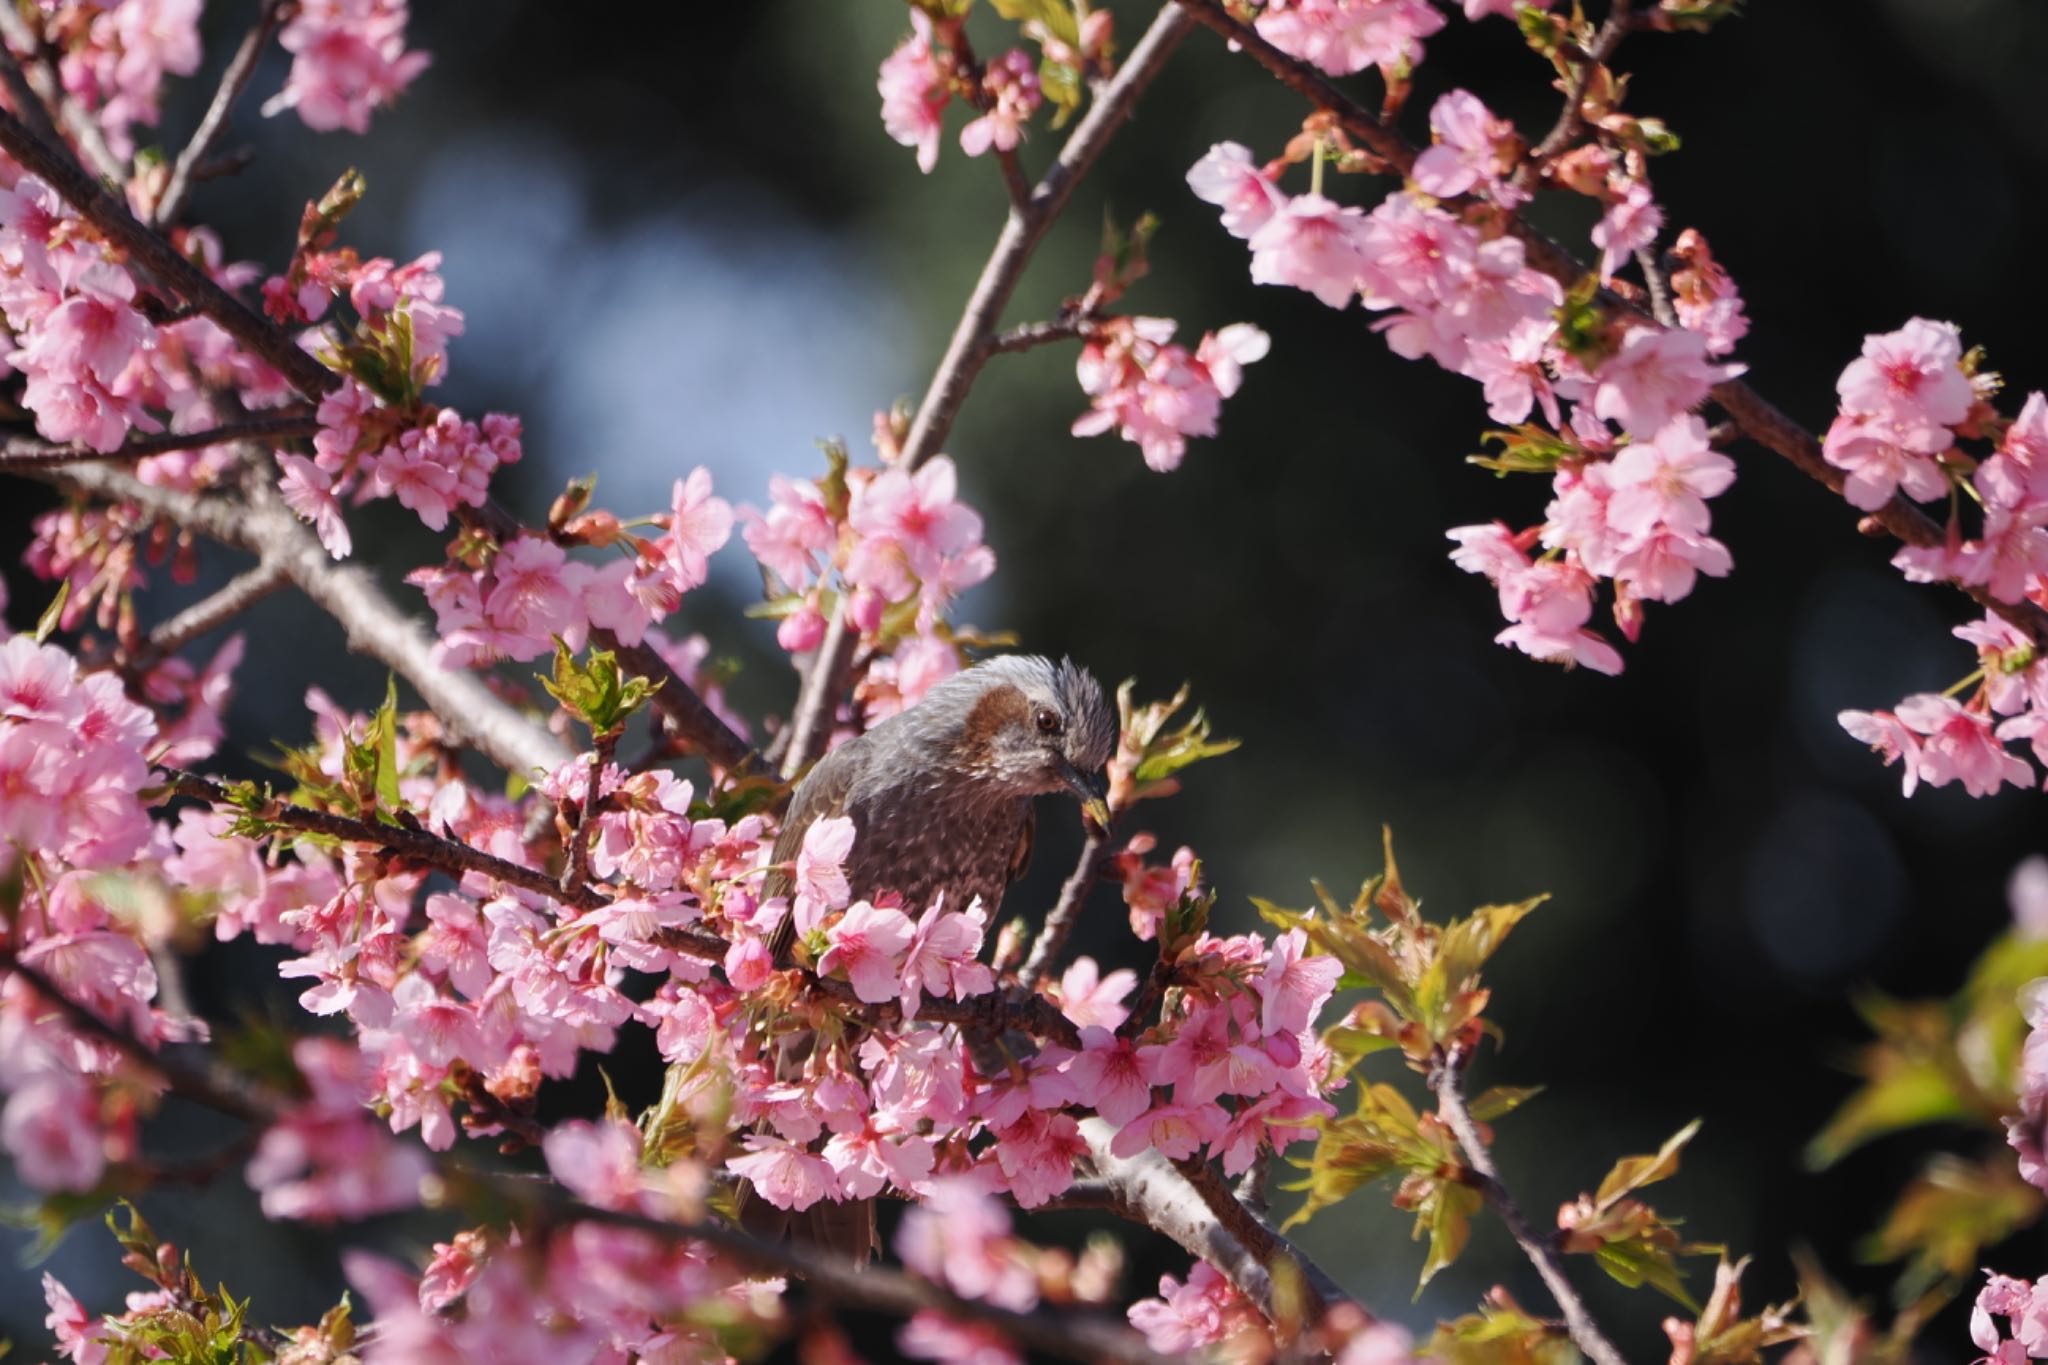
[(684, 238)]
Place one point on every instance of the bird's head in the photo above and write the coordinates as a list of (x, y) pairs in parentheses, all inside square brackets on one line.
[(1035, 726)]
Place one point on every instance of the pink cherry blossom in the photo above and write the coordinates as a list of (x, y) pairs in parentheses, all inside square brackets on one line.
[(868, 945), (1654, 377), (1911, 380), (1667, 479), (1629, 225), (1878, 464), (1295, 987), (942, 956), (348, 58), (1470, 143), (914, 93), (1312, 243), (821, 872), (1343, 36), (699, 525), (1185, 1317), (598, 1162), (1227, 178), (1153, 392), (1110, 1077), (1958, 744), (785, 1175)]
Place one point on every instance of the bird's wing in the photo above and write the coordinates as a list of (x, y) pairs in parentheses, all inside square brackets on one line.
[(1027, 838), (820, 796)]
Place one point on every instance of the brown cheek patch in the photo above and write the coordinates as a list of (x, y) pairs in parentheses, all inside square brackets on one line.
[(998, 708)]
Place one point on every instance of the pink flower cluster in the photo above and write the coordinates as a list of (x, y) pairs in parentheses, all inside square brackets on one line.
[(1629, 505), (1906, 403), (531, 592), (432, 467), (1344, 36), (916, 86), (1152, 392), (1900, 403), (117, 64), (584, 1292), (1010, 84), (72, 759), (1204, 1311), (348, 59), (915, 93), (2024, 1306), (893, 538), (80, 341), (1638, 518)]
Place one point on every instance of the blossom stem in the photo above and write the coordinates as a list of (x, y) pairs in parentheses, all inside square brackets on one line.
[(1315, 170), (1970, 681)]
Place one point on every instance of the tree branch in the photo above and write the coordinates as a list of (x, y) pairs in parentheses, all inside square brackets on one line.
[(415, 845), (818, 698), (26, 452), (1150, 1189), (234, 597), (1045, 949), (232, 82), (1586, 1333), (688, 715), (373, 623)]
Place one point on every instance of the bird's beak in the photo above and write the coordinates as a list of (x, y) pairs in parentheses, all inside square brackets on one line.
[(1093, 789)]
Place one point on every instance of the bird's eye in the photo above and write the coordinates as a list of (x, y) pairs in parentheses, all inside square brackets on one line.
[(1048, 721)]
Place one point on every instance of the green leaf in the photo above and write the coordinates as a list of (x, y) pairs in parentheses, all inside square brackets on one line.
[(1055, 15), (1448, 1216), (1635, 1263), (1632, 1173), (1946, 1216), (384, 738), (1502, 1099), (46, 624)]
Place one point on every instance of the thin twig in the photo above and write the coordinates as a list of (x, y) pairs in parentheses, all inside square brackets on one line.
[(232, 82), (415, 845), (21, 452), (1620, 20), (1659, 286), (1045, 949), (209, 614), (1586, 1333), (1029, 335), (577, 873), (968, 349)]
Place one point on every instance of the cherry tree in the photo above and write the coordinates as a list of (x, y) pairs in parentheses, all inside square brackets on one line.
[(561, 835)]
